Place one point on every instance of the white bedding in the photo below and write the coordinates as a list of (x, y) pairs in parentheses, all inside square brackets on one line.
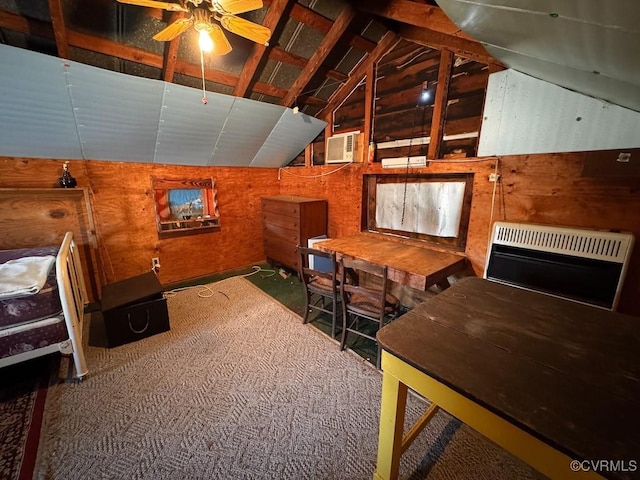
[(24, 276)]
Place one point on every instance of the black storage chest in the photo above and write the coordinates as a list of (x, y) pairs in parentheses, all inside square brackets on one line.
[(133, 309)]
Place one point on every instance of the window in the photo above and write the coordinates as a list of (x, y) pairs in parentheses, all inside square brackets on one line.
[(185, 206), (433, 208)]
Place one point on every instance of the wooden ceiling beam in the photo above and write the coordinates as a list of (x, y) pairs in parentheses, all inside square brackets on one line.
[(171, 51), (59, 28), (386, 42), (25, 25), (440, 41), (413, 13), (279, 55), (315, 20), (103, 46), (323, 50), (258, 52), (428, 25)]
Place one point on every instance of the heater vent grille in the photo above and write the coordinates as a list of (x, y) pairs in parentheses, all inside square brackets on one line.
[(598, 245)]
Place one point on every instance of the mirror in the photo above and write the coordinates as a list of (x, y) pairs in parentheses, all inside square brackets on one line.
[(185, 206)]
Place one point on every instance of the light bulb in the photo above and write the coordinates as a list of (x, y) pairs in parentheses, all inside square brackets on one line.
[(205, 42)]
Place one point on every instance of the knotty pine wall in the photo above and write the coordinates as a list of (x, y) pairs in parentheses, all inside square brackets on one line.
[(123, 209), (546, 189)]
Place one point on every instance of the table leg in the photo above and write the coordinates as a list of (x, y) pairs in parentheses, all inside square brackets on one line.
[(392, 410)]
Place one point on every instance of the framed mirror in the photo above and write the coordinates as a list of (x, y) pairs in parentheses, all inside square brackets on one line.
[(185, 206)]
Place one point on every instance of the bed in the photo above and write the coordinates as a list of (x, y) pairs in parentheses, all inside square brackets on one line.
[(42, 300)]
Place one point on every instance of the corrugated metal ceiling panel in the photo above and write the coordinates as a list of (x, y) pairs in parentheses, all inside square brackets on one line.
[(578, 44), (281, 145), (53, 108), (117, 115), (247, 127), (188, 128), (36, 109)]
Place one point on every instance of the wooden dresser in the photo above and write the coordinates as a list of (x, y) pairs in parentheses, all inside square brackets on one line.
[(290, 221)]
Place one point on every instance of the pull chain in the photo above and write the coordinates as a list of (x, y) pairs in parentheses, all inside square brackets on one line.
[(204, 91)]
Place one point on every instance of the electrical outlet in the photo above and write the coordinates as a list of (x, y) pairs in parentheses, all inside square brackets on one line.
[(155, 263), (494, 177)]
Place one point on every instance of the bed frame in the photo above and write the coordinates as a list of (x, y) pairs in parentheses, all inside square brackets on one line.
[(73, 297)]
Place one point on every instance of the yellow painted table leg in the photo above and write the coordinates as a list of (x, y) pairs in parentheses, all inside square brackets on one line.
[(392, 409)]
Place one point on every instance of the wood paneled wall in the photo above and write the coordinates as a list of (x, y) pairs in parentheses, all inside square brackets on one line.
[(545, 188), (123, 209), (548, 189)]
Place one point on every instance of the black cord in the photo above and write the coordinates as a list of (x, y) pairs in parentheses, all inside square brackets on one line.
[(406, 174)]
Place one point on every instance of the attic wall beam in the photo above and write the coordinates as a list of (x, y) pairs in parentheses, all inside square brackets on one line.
[(369, 102), (440, 105), (171, 51), (258, 52), (387, 42), (59, 28), (315, 62)]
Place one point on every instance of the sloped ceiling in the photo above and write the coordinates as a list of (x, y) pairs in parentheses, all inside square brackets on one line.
[(589, 46), (57, 108)]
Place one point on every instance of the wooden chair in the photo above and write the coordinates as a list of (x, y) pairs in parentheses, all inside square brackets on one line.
[(365, 309), (321, 284)]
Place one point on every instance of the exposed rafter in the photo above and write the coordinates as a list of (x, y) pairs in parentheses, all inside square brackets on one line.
[(171, 51), (356, 76), (314, 63), (258, 52), (59, 29)]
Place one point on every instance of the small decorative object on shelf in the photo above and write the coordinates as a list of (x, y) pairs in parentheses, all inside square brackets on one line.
[(66, 180)]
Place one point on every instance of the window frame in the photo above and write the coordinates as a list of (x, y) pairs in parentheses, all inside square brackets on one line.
[(370, 182)]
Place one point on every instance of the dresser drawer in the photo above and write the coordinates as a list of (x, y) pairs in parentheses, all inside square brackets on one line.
[(281, 208), (272, 230), (291, 223), (281, 251)]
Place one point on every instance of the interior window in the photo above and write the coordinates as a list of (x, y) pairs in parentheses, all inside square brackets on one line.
[(433, 208)]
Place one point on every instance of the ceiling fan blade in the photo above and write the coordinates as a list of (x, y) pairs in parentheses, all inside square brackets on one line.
[(221, 45), (173, 30), (174, 7), (253, 31), (236, 6)]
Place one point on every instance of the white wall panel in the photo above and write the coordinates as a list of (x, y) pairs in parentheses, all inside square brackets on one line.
[(525, 115)]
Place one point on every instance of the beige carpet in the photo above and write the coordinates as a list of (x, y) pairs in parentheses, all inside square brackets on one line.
[(240, 389)]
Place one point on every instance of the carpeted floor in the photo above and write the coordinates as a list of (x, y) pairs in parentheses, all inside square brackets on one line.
[(240, 389)]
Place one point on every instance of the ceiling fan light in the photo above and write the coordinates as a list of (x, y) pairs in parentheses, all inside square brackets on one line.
[(205, 42)]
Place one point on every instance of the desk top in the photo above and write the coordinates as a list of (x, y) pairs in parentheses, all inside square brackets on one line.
[(565, 372), (410, 265)]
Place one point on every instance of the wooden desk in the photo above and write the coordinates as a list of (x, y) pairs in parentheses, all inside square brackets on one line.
[(547, 379), (410, 265)]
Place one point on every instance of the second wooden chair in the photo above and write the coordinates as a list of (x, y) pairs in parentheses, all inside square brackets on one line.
[(366, 309)]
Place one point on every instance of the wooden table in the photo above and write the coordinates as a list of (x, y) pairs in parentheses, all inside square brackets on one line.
[(416, 267), (547, 379)]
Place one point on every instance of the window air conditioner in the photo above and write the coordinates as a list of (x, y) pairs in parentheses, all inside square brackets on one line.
[(342, 148)]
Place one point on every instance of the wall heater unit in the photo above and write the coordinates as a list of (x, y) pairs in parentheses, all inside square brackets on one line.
[(342, 148), (586, 266)]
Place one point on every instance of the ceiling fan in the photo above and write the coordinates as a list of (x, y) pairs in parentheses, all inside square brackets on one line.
[(200, 15)]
